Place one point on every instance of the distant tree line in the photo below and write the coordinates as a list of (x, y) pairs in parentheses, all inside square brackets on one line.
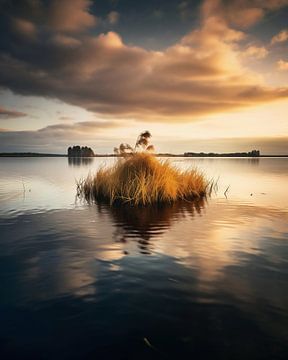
[(78, 151), (253, 153)]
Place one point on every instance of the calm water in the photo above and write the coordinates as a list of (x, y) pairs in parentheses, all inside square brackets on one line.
[(81, 281)]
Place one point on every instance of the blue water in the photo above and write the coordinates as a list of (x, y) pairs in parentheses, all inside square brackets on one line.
[(204, 280)]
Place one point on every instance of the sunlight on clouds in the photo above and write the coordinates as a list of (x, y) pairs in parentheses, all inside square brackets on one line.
[(281, 37), (282, 65), (258, 52), (75, 82), (201, 74)]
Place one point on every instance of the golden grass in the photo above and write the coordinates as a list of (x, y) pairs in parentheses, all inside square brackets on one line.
[(142, 179)]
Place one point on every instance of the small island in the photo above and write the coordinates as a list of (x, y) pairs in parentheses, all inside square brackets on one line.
[(78, 151), (139, 178)]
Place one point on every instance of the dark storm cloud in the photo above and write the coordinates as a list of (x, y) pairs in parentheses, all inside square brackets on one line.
[(10, 114), (202, 73)]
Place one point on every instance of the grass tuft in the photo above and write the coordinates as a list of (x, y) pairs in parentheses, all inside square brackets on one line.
[(142, 179)]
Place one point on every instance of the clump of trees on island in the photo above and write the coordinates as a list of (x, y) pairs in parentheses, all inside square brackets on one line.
[(78, 151)]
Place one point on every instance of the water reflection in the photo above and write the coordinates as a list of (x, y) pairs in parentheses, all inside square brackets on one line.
[(209, 237), (79, 161), (148, 223), (253, 161), (214, 282)]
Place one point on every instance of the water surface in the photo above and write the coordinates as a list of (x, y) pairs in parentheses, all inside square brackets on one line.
[(194, 279)]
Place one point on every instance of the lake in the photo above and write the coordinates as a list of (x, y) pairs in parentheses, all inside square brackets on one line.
[(193, 280)]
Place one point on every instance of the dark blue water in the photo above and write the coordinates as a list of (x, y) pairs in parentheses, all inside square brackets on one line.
[(193, 280)]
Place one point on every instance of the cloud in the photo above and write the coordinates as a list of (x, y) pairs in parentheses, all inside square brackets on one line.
[(280, 37), (113, 17), (201, 74), (282, 65), (70, 15), (65, 41), (256, 52), (65, 118), (78, 127), (65, 16), (56, 137), (10, 114), (243, 13), (24, 28)]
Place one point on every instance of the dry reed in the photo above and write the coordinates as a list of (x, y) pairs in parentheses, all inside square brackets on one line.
[(142, 179)]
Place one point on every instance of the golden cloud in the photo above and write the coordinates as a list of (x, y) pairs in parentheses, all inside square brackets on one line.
[(280, 37), (256, 52), (243, 13), (70, 15), (282, 65), (201, 74)]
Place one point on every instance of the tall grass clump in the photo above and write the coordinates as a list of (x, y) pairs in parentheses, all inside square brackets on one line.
[(139, 178)]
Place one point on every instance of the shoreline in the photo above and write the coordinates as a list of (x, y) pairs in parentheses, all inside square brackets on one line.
[(8, 155)]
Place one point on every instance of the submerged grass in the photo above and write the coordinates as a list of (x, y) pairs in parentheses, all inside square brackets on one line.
[(142, 179)]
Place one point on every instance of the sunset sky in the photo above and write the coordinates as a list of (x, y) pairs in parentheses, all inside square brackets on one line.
[(206, 75)]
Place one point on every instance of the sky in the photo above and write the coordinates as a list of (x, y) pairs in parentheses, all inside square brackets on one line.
[(208, 75)]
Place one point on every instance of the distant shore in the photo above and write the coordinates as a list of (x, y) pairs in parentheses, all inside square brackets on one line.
[(195, 155), (30, 154)]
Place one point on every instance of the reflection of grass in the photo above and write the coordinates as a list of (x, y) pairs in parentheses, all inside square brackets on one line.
[(147, 222), (142, 179)]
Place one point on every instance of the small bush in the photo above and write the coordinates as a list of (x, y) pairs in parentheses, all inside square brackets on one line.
[(143, 179)]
